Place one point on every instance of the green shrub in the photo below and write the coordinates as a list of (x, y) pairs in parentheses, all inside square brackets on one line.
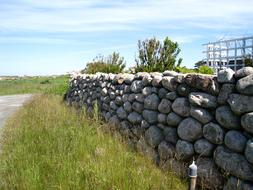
[(156, 56), (205, 70), (111, 64)]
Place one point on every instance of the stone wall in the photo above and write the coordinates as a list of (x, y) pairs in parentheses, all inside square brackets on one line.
[(174, 118)]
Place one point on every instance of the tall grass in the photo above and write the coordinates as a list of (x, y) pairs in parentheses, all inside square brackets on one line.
[(50, 85), (47, 145)]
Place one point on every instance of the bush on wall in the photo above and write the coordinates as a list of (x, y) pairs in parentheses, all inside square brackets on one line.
[(113, 63), (154, 55)]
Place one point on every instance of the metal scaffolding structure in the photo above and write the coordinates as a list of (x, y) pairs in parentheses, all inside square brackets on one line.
[(228, 53)]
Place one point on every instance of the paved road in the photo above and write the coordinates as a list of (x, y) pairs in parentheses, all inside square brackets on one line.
[(9, 104)]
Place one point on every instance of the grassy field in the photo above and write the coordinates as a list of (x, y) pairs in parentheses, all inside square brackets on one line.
[(47, 145), (51, 85)]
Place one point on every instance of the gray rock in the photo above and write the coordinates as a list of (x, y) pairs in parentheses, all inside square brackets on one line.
[(227, 118), (247, 122), (234, 183), (138, 107), (249, 151), (122, 114), (166, 150), (131, 97), (208, 174), (225, 90), (202, 115), (245, 85), (203, 100), (147, 150), (147, 91), (139, 97), (150, 116), (170, 134), (171, 95), (170, 73), (162, 93), (214, 133), (136, 86), (240, 103), (125, 128), (226, 75), (162, 118), (181, 106), (157, 80), (147, 80), (184, 90), (113, 105), (189, 129), (164, 106), (144, 124), (235, 141), (153, 136), (233, 163), (125, 97), (151, 102), (173, 119), (118, 100), (184, 150), (104, 92), (127, 107), (112, 95), (170, 83), (243, 72), (203, 147), (134, 118), (127, 89)]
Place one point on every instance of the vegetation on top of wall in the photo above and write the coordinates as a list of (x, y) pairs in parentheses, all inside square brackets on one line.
[(248, 61), (113, 63), (154, 55), (202, 70)]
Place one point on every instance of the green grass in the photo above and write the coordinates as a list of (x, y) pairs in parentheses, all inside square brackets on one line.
[(51, 85), (47, 145)]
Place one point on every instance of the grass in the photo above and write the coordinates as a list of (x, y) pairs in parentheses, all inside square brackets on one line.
[(47, 145), (50, 85)]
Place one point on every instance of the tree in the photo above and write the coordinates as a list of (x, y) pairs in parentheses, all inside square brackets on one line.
[(113, 63), (199, 63), (156, 56), (248, 62)]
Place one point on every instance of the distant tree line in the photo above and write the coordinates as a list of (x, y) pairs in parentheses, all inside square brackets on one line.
[(153, 55)]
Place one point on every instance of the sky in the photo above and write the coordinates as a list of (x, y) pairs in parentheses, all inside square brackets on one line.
[(44, 37)]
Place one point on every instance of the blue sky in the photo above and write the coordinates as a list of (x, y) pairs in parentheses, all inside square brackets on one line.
[(41, 37)]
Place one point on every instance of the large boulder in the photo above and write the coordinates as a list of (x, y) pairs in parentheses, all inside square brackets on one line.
[(214, 133), (170, 83), (201, 114), (208, 174), (227, 118), (151, 102), (181, 106), (203, 100), (205, 83), (184, 149), (247, 122), (170, 135), (249, 151), (173, 119), (134, 118), (166, 150), (189, 129), (240, 103), (233, 163), (203, 147), (245, 85), (225, 90), (226, 75), (243, 72), (153, 136), (164, 106), (137, 86), (235, 141), (150, 116)]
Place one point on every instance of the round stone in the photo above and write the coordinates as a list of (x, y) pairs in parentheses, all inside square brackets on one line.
[(203, 100), (189, 129), (153, 136), (181, 106), (247, 122), (127, 107), (214, 133), (134, 118), (202, 115), (184, 150), (170, 134), (203, 147), (235, 141), (249, 151), (151, 102), (150, 116), (173, 119), (162, 118), (164, 106)]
